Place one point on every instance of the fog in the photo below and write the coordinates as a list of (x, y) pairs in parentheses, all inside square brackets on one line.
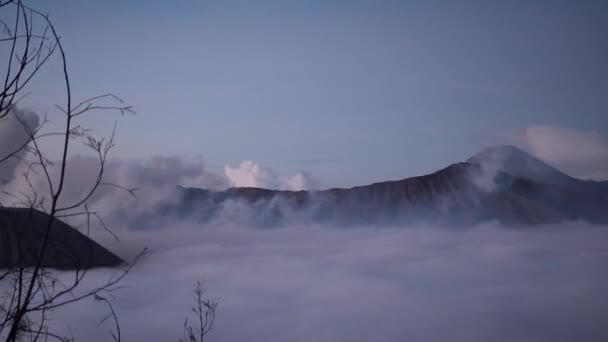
[(321, 283)]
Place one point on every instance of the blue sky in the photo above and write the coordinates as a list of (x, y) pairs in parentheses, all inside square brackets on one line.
[(352, 91)]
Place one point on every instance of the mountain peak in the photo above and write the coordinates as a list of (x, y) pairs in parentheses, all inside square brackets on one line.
[(501, 151), (519, 163)]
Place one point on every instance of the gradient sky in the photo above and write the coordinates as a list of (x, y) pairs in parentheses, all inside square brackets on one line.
[(352, 91)]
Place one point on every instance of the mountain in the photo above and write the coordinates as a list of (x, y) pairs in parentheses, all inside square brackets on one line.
[(502, 183), (23, 229), (515, 162)]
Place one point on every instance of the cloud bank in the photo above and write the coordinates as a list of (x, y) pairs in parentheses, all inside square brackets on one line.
[(323, 283)]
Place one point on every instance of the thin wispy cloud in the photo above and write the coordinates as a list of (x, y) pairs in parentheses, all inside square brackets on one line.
[(581, 152)]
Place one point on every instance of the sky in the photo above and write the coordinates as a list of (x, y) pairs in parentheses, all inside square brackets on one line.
[(352, 92)]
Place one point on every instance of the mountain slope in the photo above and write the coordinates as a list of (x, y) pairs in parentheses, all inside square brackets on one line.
[(516, 162), (22, 233), (504, 184)]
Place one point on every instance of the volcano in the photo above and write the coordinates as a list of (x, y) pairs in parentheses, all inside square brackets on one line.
[(502, 183)]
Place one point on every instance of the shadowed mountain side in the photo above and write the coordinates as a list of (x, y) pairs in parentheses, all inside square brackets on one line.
[(463, 193), (22, 234)]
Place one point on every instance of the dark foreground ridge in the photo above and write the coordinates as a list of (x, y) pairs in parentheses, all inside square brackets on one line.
[(22, 232), (502, 183)]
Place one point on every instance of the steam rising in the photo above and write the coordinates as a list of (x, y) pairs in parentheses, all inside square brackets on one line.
[(155, 182)]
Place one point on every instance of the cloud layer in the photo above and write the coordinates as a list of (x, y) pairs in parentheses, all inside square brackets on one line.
[(322, 283)]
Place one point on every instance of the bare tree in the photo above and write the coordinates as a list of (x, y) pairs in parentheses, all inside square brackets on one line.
[(204, 311), (32, 290)]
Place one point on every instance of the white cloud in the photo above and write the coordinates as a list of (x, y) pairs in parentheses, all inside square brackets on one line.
[(302, 181), (251, 174), (584, 153)]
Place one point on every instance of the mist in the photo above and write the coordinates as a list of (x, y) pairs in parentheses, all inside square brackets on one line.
[(324, 283)]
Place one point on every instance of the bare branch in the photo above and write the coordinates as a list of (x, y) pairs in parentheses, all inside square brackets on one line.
[(33, 290), (204, 310)]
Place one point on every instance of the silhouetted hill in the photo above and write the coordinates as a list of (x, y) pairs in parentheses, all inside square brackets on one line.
[(503, 183), (22, 233)]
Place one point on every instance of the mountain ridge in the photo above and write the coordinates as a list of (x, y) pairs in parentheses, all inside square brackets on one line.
[(501, 183)]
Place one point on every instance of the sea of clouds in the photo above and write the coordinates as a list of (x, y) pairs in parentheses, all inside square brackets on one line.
[(323, 283)]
